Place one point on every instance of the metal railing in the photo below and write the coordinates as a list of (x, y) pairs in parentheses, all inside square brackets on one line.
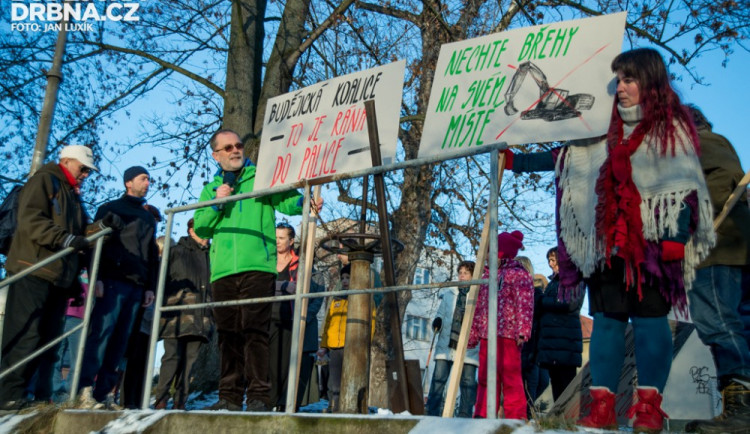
[(93, 273), (493, 149), (297, 297)]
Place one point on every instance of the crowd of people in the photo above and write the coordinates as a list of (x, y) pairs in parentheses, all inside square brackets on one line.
[(634, 226)]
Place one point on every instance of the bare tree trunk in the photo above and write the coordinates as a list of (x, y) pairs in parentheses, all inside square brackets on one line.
[(244, 68)]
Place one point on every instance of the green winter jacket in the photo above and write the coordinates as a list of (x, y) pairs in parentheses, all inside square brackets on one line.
[(723, 172), (243, 233)]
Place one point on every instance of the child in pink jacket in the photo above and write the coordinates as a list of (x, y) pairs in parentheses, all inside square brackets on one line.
[(515, 307)]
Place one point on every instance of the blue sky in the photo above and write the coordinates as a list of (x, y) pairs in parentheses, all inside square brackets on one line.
[(725, 100)]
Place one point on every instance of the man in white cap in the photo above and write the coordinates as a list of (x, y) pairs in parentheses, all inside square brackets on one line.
[(50, 218)]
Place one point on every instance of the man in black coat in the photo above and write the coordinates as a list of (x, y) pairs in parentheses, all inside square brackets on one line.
[(129, 272), (189, 282), (722, 283)]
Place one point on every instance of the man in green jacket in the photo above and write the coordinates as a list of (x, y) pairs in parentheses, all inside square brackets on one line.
[(243, 266)]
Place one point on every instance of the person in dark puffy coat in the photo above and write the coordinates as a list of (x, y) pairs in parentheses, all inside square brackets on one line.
[(184, 331), (535, 379), (560, 337)]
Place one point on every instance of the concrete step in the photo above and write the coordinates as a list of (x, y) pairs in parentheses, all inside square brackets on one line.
[(55, 420), (67, 421)]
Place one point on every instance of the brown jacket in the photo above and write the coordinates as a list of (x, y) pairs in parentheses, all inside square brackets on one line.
[(49, 215), (722, 169)]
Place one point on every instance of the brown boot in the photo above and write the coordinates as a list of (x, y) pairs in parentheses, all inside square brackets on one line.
[(602, 414), (649, 417), (736, 415)]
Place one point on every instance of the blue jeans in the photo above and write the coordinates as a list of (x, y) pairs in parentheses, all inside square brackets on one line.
[(714, 307), (67, 355), (468, 387), (653, 350), (109, 330), (536, 380), (745, 303)]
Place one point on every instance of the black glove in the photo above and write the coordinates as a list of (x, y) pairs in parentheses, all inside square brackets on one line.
[(79, 243), (77, 301), (112, 220), (437, 323)]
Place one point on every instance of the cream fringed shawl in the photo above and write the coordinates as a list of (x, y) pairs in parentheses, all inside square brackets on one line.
[(663, 181)]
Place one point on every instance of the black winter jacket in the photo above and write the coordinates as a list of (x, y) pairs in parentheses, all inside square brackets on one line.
[(530, 349), (131, 255), (285, 310), (560, 335), (189, 283)]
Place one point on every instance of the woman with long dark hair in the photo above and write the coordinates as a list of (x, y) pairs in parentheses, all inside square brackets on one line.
[(634, 220)]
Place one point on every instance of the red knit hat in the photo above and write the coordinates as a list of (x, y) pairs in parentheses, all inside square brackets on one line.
[(508, 244)]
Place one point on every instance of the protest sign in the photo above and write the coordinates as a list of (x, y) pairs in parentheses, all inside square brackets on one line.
[(534, 84), (321, 130)]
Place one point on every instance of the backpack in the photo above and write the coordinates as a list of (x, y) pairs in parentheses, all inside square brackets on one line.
[(9, 215)]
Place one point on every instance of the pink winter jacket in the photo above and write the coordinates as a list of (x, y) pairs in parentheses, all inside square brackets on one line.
[(515, 304)]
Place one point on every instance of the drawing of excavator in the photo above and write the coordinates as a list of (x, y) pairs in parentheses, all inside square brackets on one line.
[(553, 105)]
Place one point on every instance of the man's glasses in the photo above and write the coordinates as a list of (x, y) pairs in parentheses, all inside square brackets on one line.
[(231, 148)]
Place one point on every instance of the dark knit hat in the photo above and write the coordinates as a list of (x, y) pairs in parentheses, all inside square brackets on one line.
[(508, 244), (132, 172), (346, 269)]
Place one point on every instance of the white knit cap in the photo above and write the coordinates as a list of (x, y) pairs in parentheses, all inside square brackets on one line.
[(80, 153)]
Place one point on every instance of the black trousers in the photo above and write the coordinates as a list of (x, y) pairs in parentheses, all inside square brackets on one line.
[(179, 356), (135, 370), (307, 392), (280, 345), (243, 336), (35, 315), (560, 377)]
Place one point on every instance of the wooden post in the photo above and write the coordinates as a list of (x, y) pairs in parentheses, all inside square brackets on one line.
[(308, 247), (356, 367), (471, 302), (391, 299), (732, 200)]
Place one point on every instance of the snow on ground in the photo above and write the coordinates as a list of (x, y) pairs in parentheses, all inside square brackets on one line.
[(133, 421), (9, 422)]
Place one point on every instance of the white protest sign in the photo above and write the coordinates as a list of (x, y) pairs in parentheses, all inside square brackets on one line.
[(534, 84), (321, 130)]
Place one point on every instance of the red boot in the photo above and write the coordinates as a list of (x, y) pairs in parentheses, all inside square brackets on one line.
[(602, 414), (649, 417)]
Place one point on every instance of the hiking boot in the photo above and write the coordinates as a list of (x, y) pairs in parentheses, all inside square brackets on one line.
[(14, 405), (649, 417), (736, 415), (161, 404), (223, 404), (110, 404), (602, 409), (86, 400), (255, 405)]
